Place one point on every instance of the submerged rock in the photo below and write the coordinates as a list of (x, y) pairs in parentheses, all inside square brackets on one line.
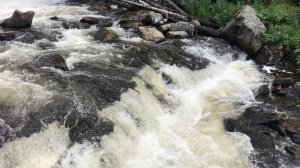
[(106, 35), (7, 36), (90, 20), (293, 150), (6, 133), (245, 31), (75, 25), (104, 22), (52, 59), (19, 20), (151, 34), (284, 82)]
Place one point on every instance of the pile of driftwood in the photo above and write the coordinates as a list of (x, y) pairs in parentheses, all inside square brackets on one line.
[(170, 11)]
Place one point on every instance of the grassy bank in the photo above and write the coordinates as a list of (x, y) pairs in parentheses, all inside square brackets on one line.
[(281, 17)]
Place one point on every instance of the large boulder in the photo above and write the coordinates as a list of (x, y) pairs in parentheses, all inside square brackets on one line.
[(106, 35), (19, 20), (245, 31), (151, 34), (7, 36), (183, 26), (100, 7)]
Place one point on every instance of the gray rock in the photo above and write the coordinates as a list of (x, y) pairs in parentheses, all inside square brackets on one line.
[(183, 26), (177, 34), (130, 24), (293, 150), (102, 8), (7, 36), (19, 20), (152, 18), (245, 30), (52, 59), (106, 35), (75, 25), (6, 133), (104, 22), (284, 82), (151, 34), (90, 20), (270, 54), (165, 27)]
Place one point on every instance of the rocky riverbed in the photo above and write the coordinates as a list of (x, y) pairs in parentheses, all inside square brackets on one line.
[(97, 85)]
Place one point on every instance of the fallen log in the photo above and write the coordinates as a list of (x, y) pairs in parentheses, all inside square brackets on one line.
[(125, 3)]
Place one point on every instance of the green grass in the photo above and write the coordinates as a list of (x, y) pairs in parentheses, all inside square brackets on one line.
[(281, 18)]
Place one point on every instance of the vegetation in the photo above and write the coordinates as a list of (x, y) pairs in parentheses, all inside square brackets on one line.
[(280, 16)]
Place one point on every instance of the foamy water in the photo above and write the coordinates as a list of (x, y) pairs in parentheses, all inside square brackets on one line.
[(176, 125)]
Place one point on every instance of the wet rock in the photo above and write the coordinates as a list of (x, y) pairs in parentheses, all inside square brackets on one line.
[(264, 90), (105, 22), (7, 36), (130, 24), (284, 82), (151, 34), (6, 133), (183, 26), (52, 59), (19, 20), (165, 27), (55, 18), (75, 25), (270, 54), (30, 36), (293, 150), (102, 8), (45, 44), (152, 18), (290, 125), (245, 31), (279, 91), (177, 34), (296, 138), (90, 20), (86, 127), (106, 35)]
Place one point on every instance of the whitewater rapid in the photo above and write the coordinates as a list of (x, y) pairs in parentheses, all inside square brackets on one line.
[(157, 124)]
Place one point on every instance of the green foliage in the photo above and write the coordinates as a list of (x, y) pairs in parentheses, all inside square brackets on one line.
[(219, 13)]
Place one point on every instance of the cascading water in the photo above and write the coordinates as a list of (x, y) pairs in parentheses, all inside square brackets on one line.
[(156, 123)]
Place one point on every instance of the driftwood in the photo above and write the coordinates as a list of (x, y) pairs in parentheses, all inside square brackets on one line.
[(125, 4)]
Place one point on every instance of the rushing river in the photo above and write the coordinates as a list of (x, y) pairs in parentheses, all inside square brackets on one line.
[(165, 114)]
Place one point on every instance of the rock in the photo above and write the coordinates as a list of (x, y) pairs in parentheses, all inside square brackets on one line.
[(6, 133), (165, 27), (296, 138), (183, 26), (30, 36), (52, 59), (151, 34), (90, 20), (293, 150), (100, 7), (284, 82), (105, 22), (45, 44), (177, 34), (19, 20), (7, 36), (152, 18), (279, 91), (75, 25), (130, 24), (55, 18), (290, 125), (270, 54), (196, 23), (264, 90), (245, 31), (106, 35)]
